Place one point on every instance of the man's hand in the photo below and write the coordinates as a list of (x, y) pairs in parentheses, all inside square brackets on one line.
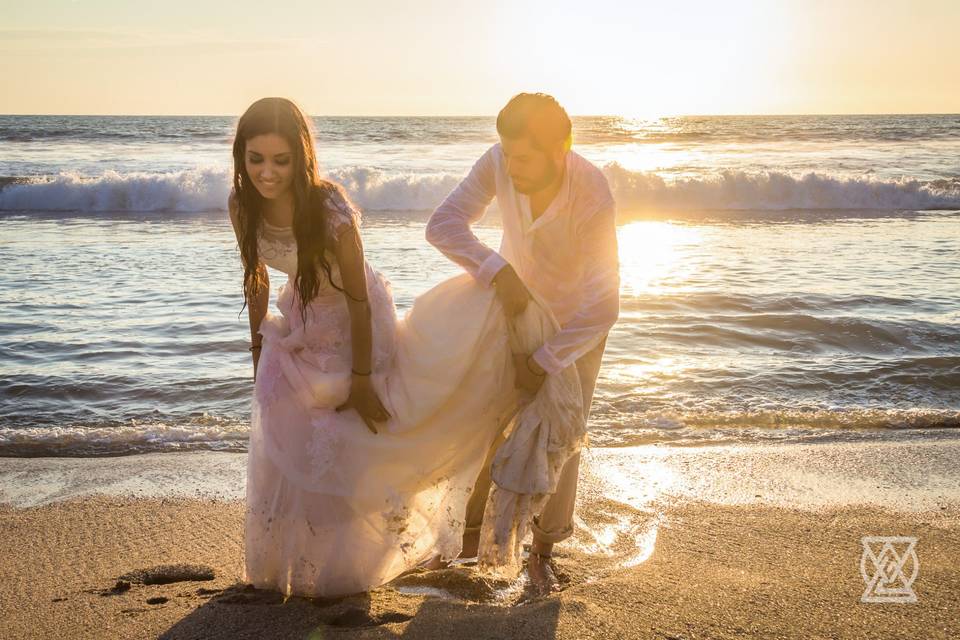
[(511, 291), (530, 375)]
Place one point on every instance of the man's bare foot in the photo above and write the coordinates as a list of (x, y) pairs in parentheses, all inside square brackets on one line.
[(471, 544), (543, 581)]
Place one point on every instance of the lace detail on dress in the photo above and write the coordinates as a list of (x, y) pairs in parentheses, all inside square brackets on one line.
[(277, 247), (324, 447), (327, 334), (268, 375)]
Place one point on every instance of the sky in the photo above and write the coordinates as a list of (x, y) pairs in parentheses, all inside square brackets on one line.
[(452, 57)]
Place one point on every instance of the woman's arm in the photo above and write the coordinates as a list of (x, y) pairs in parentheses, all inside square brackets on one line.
[(363, 398), (349, 252), (256, 310), (257, 306)]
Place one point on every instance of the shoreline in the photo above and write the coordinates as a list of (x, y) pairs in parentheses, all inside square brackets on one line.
[(906, 475), (117, 441)]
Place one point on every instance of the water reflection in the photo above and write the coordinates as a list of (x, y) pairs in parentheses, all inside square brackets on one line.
[(652, 253)]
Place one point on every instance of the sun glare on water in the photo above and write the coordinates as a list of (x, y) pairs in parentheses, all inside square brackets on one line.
[(653, 256), (656, 258)]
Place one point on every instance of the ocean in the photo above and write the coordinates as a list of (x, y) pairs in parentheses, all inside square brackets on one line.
[(784, 278)]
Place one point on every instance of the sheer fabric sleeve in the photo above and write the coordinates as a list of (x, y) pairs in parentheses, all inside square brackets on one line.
[(342, 215), (449, 226)]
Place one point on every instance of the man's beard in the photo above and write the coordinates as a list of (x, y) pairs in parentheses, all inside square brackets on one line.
[(549, 175)]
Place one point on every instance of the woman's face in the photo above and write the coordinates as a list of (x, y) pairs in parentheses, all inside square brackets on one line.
[(269, 163)]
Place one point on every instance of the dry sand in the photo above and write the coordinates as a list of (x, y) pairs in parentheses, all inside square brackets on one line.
[(666, 568)]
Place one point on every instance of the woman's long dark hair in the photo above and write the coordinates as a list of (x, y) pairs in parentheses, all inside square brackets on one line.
[(310, 193)]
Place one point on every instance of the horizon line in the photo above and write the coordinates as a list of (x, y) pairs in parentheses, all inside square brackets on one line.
[(577, 115)]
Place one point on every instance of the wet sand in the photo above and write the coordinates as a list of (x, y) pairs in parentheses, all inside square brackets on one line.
[(721, 542)]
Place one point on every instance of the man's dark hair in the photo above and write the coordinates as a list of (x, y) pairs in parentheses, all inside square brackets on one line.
[(537, 115)]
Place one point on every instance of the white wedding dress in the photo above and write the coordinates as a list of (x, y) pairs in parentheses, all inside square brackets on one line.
[(332, 508)]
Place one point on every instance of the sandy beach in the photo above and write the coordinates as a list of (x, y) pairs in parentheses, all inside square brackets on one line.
[(671, 544)]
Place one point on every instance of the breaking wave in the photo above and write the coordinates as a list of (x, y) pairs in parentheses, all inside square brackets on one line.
[(206, 189)]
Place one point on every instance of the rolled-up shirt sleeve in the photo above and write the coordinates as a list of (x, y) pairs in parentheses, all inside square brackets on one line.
[(449, 226), (600, 305)]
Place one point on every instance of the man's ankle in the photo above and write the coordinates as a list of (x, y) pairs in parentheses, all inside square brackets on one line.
[(470, 545), (541, 549)]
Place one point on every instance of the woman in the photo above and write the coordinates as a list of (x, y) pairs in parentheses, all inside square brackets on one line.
[(366, 434), (273, 152)]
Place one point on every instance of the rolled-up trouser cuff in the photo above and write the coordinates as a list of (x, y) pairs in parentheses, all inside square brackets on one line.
[(539, 534), (551, 537)]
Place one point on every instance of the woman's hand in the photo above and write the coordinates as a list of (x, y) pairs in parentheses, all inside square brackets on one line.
[(363, 398)]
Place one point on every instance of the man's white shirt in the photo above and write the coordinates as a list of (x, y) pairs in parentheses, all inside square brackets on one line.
[(567, 256)]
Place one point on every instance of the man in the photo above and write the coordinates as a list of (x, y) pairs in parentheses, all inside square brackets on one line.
[(559, 240)]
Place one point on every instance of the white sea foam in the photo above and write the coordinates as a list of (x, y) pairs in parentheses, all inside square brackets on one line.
[(134, 437), (629, 426), (181, 191), (206, 189), (771, 190), (376, 190)]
